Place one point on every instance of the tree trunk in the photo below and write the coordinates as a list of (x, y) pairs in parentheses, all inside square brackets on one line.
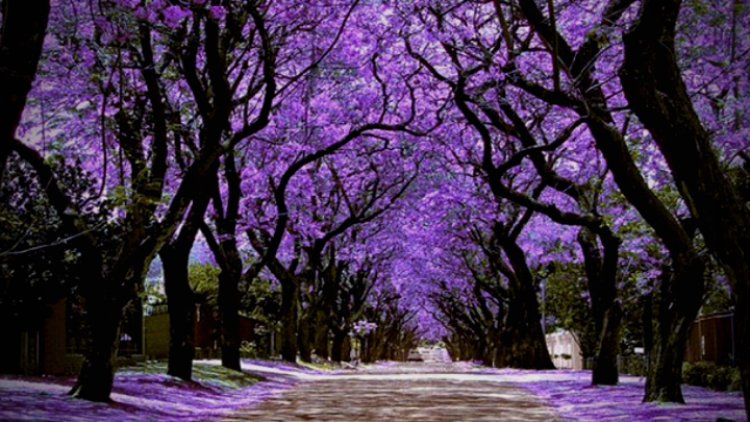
[(601, 272), (229, 306), (653, 85), (321, 335), (181, 305), (346, 348), (289, 298), (524, 342), (495, 341), (742, 353), (488, 359), (337, 347), (648, 327), (605, 363), (680, 297), (480, 348), (97, 373), (21, 38), (303, 337), (524, 346), (175, 257)]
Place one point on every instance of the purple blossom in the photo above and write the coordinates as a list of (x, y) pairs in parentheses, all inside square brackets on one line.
[(174, 15), (217, 12)]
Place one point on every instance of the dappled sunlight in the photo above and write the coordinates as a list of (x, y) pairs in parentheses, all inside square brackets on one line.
[(368, 395), (573, 396), (139, 393), (434, 391)]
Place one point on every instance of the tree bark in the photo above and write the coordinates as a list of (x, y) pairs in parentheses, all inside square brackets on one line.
[(21, 39), (346, 349), (289, 304), (601, 272), (524, 346), (321, 335), (97, 374), (742, 337), (611, 143), (337, 346), (181, 306), (679, 299), (605, 363), (229, 307), (653, 85), (175, 257), (527, 348), (303, 337), (331, 283)]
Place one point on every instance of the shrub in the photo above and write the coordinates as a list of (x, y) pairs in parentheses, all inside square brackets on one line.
[(248, 350), (708, 374)]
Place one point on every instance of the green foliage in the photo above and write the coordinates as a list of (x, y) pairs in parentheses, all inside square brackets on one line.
[(710, 375), (567, 303), (262, 302), (249, 350), (37, 263), (119, 196), (204, 280), (631, 295), (718, 297), (151, 297)]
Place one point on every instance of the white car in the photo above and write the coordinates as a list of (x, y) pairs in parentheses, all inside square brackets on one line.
[(414, 356)]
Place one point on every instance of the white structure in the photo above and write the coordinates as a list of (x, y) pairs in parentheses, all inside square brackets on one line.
[(564, 350)]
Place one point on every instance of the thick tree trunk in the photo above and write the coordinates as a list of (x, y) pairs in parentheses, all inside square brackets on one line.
[(653, 85), (175, 257), (680, 297), (229, 306), (21, 39), (98, 372), (480, 349), (303, 337), (346, 349), (523, 342), (289, 298), (331, 279), (321, 335), (488, 359), (524, 346), (648, 327), (337, 346), (605, 363), (495, 341), (181, 305), (601, 272), (742, 338)]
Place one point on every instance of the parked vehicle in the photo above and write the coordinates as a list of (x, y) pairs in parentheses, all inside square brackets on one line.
[(414, 356)]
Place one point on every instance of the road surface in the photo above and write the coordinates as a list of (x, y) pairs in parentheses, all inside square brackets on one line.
[(434, 390)]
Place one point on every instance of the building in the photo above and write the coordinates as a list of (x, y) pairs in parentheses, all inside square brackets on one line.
[(54, 343), (564, 350), (207, 333)]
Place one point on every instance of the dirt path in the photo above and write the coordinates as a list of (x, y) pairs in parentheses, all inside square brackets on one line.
[(415, 391)]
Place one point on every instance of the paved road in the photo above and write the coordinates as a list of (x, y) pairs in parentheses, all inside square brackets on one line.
[(429, 391)]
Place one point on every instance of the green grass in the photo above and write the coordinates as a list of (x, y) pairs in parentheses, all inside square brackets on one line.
[(320, 366), (212, 375)]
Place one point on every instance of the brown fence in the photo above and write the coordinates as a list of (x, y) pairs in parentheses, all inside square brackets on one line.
[(207, 334), (711, 338)]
